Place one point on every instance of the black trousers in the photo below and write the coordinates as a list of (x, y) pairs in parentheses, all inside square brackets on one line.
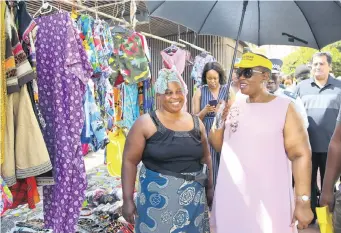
[(319, 161)]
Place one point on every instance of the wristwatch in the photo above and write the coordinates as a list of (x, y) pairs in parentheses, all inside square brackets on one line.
[(303, 198)]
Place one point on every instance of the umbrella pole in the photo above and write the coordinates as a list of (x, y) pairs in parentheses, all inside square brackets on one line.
[(245, 3)]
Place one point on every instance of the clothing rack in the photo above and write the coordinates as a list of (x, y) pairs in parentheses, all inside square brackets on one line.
[(194, 46), (94, 11), (121, 21), (163, 39)]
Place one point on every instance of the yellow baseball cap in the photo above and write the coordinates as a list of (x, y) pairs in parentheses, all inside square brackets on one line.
[(250, 60)]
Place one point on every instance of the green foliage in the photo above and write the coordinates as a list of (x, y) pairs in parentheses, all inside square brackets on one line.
[(303, 56)]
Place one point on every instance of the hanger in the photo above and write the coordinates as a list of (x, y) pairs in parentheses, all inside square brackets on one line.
[(122, 28), (45, 6)]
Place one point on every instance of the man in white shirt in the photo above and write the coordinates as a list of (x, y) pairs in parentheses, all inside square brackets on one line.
[(273, 87)]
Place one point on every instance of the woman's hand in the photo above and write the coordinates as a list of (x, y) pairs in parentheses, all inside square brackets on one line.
[(303, 214), (208, 109), (129, 211)]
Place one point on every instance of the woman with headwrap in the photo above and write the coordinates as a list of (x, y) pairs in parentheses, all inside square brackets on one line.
[(174, 186)]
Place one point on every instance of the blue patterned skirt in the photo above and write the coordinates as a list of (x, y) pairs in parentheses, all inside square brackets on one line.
[(166, 204)]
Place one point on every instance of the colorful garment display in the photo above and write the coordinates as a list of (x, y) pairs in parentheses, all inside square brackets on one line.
[(148, 94), (6, 199), (85, 24), (130, 105), (118, 104), (129, 58), (104, 97), (199, 63), (26, 154), (94, 131), (26, 27), (63, 71), (104, 44)]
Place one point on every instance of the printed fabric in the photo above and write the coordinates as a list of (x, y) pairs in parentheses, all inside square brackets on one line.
[(168, 204), (104, 97), (86, 24), (103, 44), (63, 71), (6, 199), (26, 28), (130, 105), (94, 132), (199, 63), (18, 69), (129, 58), (148, 96)]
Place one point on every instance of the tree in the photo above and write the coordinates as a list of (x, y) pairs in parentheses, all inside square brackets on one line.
[(303, 55)]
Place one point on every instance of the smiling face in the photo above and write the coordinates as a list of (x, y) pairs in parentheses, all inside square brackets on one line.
[(251, 80), (174, 98)]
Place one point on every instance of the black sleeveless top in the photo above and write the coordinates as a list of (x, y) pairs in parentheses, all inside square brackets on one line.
[(175, 151)]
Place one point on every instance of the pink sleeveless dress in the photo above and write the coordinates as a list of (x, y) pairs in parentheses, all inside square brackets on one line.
[(254, 185)]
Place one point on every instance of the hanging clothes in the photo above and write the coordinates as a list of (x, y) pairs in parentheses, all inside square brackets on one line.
[(175, 58), (104, 44), (26, 27), (129, 58), (3, 87), (25, 150), (63, 71), (148, 96), (199, 63), (25, 192), (86, 24), (94, 131), (118, 105), (130, 105)]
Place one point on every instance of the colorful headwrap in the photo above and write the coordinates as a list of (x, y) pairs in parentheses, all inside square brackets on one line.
[(166, 76)]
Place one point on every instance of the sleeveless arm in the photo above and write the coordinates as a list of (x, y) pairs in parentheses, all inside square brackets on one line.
[(297, 146), (132, 154), (301, 109)]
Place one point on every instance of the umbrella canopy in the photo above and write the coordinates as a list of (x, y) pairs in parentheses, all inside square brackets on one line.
[(312, 24)]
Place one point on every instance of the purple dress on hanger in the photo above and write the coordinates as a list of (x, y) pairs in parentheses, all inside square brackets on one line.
[(63, 71)]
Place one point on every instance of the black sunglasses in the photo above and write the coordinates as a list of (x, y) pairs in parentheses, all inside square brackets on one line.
[(247, 73)]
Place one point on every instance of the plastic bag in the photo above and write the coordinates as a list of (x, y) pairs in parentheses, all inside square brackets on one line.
[(325, 219), (115, 152)]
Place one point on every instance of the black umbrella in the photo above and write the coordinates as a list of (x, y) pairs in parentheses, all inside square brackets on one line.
[(312, 24)]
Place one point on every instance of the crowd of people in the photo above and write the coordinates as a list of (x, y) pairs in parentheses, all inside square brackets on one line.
[(246, 159)]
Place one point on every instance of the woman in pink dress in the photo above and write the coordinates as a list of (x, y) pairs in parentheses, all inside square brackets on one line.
[(260, 139)]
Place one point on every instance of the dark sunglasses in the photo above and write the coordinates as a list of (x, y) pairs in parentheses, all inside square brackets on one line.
[(247, 73)]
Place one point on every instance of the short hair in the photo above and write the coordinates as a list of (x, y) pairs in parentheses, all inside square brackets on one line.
[(213, 66), (324, 54), (275, 77)]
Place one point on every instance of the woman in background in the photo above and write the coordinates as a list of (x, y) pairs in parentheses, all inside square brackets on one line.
[(205, 100)]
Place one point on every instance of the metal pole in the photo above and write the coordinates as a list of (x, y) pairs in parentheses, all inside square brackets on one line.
[(245, 3)]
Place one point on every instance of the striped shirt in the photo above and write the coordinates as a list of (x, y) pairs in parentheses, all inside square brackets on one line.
[(322, 105)]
